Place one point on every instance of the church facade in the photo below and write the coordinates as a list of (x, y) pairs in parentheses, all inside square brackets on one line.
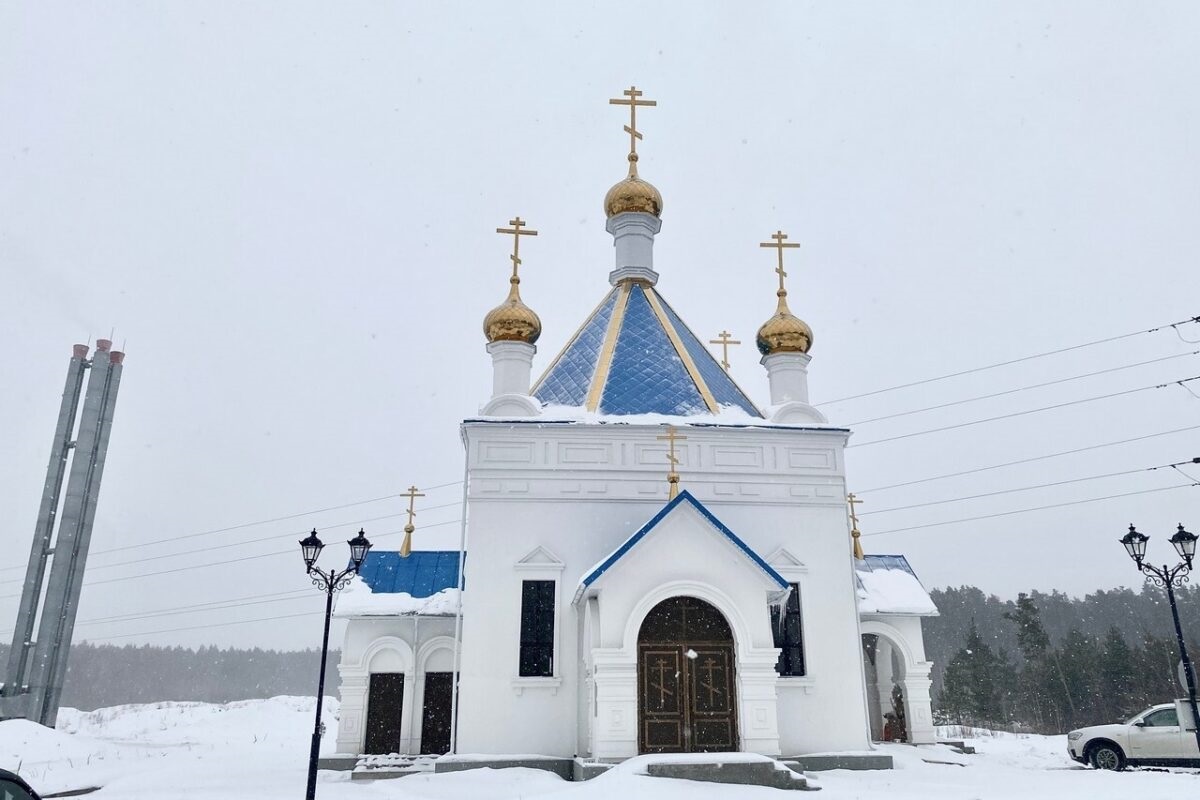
[(653, 563)]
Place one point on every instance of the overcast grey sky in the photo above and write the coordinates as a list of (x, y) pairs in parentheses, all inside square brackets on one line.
[(286, 212)]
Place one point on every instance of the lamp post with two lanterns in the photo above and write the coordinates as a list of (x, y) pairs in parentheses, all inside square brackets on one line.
[(1168, 578), (330, 582)]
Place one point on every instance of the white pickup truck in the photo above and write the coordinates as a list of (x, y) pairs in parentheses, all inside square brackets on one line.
[(1163, 736)]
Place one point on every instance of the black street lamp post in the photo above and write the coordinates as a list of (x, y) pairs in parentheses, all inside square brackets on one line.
[(1169, 578), (329, 582)]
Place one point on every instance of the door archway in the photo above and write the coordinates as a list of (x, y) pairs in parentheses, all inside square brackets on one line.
[(686, 689), (884, 669)]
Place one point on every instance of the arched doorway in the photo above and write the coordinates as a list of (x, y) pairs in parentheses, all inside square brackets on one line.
[(884, 670), (686, 688)]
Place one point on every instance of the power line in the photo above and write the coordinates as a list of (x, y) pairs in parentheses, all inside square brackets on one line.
[(266, 521), (214, 605), (1022, 389), (1023, 489), (243, 542), (1023, 413), (289, 534), (226, 562), (1035, 508), (310, 615), (1028, 460), (1012, 361)]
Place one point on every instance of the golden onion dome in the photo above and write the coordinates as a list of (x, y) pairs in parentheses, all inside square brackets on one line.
[(633, 194), (512, 320), (784, 332)]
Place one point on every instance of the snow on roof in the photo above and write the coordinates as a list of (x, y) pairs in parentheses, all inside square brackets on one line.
[(357, 600), (594, 572), (888, 585), (425, 583)]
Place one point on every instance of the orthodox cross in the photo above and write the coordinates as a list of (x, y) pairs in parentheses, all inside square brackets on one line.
[(663, 691), (672, 476), (724, 340), (412, 494), (516, 232), (632, 94), (710, 667), (779, 244), (854, 532)]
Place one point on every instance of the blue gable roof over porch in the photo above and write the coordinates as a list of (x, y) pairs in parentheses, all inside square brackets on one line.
[(684, 497)]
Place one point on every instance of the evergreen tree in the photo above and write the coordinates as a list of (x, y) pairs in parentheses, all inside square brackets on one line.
[(1118, 696), (976, 689)]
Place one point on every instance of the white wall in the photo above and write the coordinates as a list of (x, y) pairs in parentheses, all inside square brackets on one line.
[(410, 645), (580, 490)]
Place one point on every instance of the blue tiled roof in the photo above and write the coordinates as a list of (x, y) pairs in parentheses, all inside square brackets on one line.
[(568, 380), (423, 573), (683, 497), (628, 358), (874, 563)]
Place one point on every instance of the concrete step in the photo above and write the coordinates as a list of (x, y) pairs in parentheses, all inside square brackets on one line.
[(374, 768), (745, 773)]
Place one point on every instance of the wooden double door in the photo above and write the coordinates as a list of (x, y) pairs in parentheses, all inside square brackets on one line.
[(687, 694)]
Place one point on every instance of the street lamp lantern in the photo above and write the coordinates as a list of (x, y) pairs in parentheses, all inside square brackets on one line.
[(1170, 578), (359, 547), (1135, 545), (330, 582), (310, 548), (1185, 545)]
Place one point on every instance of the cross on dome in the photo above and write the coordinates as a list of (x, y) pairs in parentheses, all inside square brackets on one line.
[(632, 94), (512, 320), (633, 193), (784, 332), (780, 244), (516, 232)]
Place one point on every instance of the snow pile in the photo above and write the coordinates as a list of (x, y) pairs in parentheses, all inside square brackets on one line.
[(259, 749), (357, 600), (892, 591)]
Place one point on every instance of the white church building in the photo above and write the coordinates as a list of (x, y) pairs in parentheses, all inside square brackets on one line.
[(653, 562)]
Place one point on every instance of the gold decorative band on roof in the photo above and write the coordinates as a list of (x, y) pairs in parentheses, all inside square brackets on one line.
[(681, 350), (604, 360), (538, 383)]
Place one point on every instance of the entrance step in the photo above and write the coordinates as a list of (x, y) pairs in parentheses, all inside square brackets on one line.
[(373, 768), (816, 762), (713, 768)]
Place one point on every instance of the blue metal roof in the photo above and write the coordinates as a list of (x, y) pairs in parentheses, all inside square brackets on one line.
[(683, 497), (635, 355), (423, 573)]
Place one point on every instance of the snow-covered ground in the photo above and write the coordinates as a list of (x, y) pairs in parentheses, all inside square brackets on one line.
[(258, 750)]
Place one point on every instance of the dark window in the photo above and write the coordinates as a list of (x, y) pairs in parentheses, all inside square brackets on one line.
[(789, 638), (537, 628)]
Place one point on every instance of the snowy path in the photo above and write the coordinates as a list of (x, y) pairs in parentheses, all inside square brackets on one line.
[(257, 750)]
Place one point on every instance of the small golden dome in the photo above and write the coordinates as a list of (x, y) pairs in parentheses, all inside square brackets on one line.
[(784, 332), (633, 194), (512, 320)]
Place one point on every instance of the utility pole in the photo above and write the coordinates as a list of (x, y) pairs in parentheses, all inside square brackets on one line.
[(37, 667)]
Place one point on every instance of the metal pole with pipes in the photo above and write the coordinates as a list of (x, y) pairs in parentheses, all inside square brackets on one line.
[(36, 695), (43, 533)]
